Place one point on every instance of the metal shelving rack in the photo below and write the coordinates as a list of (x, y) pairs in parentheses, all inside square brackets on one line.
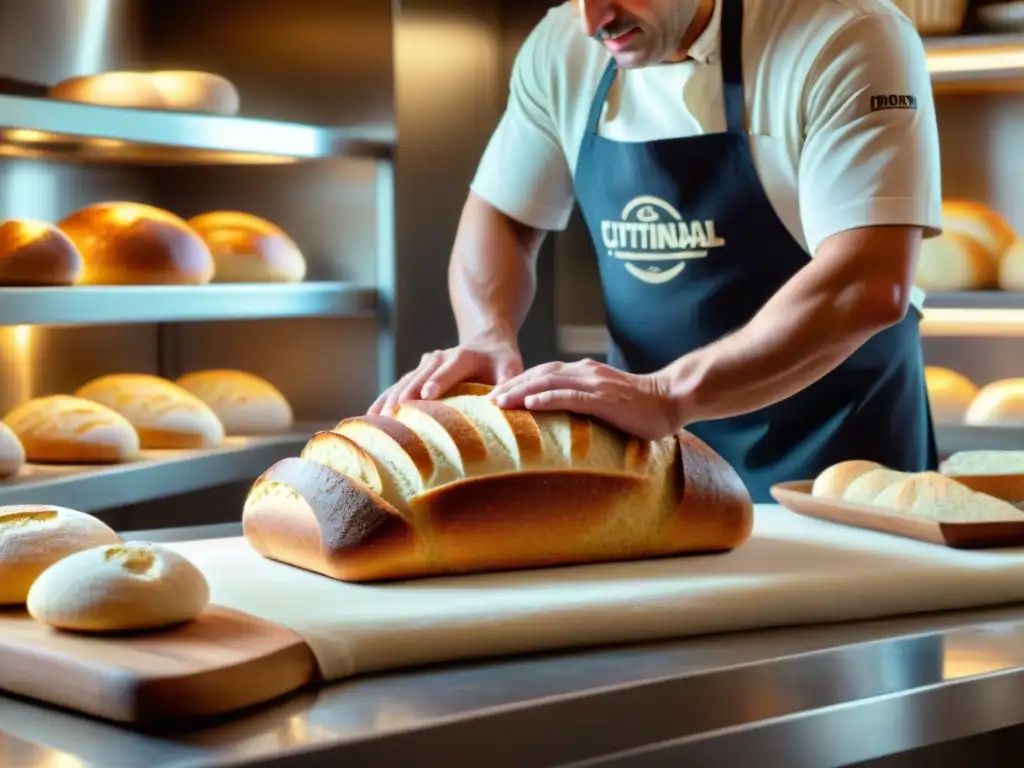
[(39, 128)]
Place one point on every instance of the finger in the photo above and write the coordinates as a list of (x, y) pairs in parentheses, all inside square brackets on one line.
[(454, 369), (575, 400), (516, 396), (413, 388), (522, 377)]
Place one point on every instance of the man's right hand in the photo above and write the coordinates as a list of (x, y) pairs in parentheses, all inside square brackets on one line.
[(486, 362)]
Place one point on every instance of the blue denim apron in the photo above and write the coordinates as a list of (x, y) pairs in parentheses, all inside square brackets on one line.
[(690, 248)]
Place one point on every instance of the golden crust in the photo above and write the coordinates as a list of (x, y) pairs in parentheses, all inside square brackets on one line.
[(463, 432), (34, 253), (305, 514), (408, 440)]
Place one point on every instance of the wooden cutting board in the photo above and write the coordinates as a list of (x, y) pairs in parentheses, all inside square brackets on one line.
[(222, 662)]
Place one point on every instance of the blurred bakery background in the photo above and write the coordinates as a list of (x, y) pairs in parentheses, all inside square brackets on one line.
[(226, 223)]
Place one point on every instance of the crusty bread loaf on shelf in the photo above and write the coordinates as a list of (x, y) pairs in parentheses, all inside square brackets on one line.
[(950, 394), (928, 495), (179, 90), (1000, 403), (248, 249), (118, 588), (34, 253), (954, 261), (34, 537), (979, 222), (164, 414), (459, 485), (1011, 268), (244, 403), (60, 429), (133, 244), (12, 453)]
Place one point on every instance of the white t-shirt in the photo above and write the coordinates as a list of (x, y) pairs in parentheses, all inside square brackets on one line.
[(833, 143)]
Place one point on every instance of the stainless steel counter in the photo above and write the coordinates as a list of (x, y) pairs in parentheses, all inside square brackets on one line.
[(820, 696)]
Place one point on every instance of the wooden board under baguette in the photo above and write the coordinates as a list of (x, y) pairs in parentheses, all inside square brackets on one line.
[(459, 485)]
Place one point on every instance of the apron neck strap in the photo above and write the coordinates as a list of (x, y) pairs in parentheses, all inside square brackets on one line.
[(732, 74), (732, 66)]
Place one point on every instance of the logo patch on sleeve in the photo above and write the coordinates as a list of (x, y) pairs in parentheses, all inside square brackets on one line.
[(893, 101)]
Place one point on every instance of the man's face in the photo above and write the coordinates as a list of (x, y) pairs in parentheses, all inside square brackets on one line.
[(638, 33)]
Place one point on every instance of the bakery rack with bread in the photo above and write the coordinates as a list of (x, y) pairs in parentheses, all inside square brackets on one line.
[(459, 485)]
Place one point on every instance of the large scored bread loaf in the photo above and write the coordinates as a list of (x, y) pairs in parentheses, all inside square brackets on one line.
[(248, 249), (244, 403), (134, 244), (34, 253), (60, 429), (458, 485), (1000, 403), (34, 537), (164, 414), (950, 394), (928, 495)]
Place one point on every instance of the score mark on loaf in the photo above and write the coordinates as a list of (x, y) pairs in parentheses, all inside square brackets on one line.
[(459, 485)]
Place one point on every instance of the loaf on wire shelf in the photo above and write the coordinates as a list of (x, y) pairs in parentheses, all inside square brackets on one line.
[(458, 485)]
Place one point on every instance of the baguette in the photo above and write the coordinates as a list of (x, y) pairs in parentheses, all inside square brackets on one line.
[(459, 485)]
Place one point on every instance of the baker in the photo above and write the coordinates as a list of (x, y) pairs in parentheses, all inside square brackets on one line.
[(757, 178)]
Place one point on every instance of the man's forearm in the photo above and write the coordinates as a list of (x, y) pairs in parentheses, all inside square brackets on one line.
[(492, 275), (817, 320)]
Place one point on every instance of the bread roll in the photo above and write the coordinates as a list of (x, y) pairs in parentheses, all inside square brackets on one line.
[(950, 394), (833, 482), (980, 223), (135, 244), (33, 253), (185, 91), (459, 485), (12, 454), (1011, 268), (927, 495), (867, 488), (163, 414), (248, 249), (34, 537), (955, 262), (1000, 403), (120, 588), (69, 430), (133, 90), (244, 403), (984, 463), (192, 91)]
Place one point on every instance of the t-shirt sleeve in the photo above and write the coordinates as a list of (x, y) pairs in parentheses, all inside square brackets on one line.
[(871, 146), (523, 172)]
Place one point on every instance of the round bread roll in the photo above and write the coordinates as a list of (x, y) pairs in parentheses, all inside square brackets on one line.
[(955, 262), (193, 91), (999, 404), (164, 414), (60, 429), (134, 90), (980, 223), (244, 403), (248, 249), (832, 483), (869, 486), (34, 537), (12, 453), (34, 253), (950, 394), (135, 244), (119, 588), (1011, 268)]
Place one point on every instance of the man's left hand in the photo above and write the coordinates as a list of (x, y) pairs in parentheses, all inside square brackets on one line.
[(638, 405)]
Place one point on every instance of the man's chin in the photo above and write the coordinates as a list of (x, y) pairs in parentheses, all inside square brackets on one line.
[(631, 59)]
